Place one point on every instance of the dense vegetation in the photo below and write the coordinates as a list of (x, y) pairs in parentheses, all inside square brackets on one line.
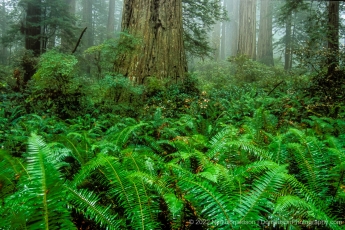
[(236, 145), (232, 144)]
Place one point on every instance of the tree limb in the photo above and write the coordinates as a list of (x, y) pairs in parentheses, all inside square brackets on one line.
[(80, 37)]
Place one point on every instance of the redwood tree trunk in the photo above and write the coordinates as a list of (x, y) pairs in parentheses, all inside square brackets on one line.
[(158, 23), (111, 19), (333, 35), (32, 37), (32, 27), (247, 29), (233, 9), (265, 46), (288, 43)]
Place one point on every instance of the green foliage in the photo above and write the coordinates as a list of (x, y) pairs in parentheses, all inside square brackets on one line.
[(198, 18), (55, 88), (238, 154), (105, 57)]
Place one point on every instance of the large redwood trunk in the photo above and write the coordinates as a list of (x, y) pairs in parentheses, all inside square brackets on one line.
[(265, 44), (158, 23), (247, 29)]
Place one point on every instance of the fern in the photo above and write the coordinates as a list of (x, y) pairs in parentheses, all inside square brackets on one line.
[(86, 202), (258, 199)]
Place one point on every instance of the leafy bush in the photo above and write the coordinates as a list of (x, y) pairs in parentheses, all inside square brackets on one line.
[(55, 88)]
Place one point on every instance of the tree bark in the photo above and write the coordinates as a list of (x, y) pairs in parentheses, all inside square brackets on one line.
[(32, 33), (158, 23), (265, 45), (247, 29), (234, 25), (224, 35), (4, 53), (288, 43), (333, 35), (32, 27), (111, 19), (87, 18), (216, 40)]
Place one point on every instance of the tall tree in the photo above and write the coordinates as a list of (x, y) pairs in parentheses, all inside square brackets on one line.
[(247, 29), (265, 46), (288, 43), (87, 19), (233, 9), (33, 26), (161, 53), (111, 19), (32, 33), (199, 17), (216, 39), (3, 30), (333, 35), (67, 36)]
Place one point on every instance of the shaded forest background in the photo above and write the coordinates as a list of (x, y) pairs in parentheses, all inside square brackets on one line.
[(192, 114)]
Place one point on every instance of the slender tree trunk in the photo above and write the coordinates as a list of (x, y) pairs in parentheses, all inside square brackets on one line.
[(111, 19), (4, 53), (247, 29), (288, 44), (67, 38), (333, 35), (32, 27), (32, 37), (265, 46), (161, 53), (87, 18), (233, 9), (216, 40), (223, 38)]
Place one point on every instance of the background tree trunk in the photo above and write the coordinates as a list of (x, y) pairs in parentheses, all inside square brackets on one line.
[(111, 19), (288, 43), (224, 35), (32, 27), (67, 39), (333, 35), (233, 9), (87, 18), (216, 40), (247, 29), (32, 32), (265, 46), (3, 29), (158, 23)]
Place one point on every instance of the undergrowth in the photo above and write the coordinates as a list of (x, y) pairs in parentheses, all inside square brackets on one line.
[(250, 153)]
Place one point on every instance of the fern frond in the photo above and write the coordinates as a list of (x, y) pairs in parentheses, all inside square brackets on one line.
[(46, 201), (251, 204), (210, 204), (294, 209), (86, 202)]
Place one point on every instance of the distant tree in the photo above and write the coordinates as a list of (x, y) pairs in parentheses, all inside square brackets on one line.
[(200, 17), (333, 35), (87, 22), (3, 31), (33, 22), (247, 29), (233, 10), (33, 36), (265, 45), (216, 39), (68, 37), (161, 53), (111, 19)]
